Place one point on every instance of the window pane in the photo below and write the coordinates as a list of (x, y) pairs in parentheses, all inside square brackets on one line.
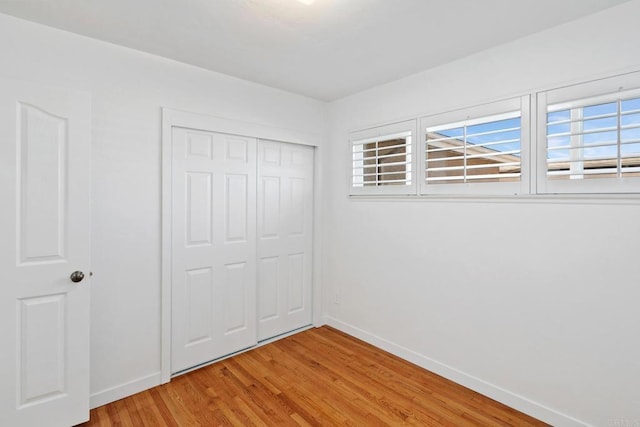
[(631, 104), (452, 133), (445, 155), (485, 150), (630, 135), (498, 125), (600, 109), (386, 161), (556, 116), (607, 151), (630, 149), (558, 141), (559, 155), (558, 163), (592, 134), (559, 128), (630, 160), (608, 137), (631, 119), (601, 123), (392, 166), (589, 149)]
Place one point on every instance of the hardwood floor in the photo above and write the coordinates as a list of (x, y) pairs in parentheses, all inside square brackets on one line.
[(320, 377)]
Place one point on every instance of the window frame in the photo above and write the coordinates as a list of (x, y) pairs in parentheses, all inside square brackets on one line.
[(471, 114), (378, 132), (575, 96)]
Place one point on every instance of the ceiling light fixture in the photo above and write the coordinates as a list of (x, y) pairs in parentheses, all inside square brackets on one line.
[(307, 2)]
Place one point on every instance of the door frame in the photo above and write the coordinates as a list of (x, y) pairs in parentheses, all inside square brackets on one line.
[(177, 118)]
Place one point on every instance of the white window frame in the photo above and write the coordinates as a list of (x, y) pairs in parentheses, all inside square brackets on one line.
[(583, 94), (376, 133), (522, 104)]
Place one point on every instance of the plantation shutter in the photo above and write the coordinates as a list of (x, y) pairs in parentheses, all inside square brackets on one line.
[(383, 163)]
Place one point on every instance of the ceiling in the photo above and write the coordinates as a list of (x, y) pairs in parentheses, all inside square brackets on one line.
[(328, 50)]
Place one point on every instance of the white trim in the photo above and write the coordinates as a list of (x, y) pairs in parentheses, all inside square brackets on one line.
[(614, 95), (387, 129), (165, 303), (539, 164), (531, 146), (317, 310), (394, 135), (594, 90), (177, 118), (558, 199), (123, 390), (485, 388), (188, 119)]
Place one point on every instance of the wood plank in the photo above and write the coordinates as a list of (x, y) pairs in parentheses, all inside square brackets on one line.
[(319, 377)]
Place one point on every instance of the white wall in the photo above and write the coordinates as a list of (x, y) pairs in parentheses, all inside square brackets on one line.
[(129, 88), (532, 302)]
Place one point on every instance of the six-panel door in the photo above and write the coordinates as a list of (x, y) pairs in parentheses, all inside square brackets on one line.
[(45, 228), (213, 246), (285, 227)]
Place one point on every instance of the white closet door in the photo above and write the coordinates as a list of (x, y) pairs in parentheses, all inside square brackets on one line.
[(214, 246), (285, 237)]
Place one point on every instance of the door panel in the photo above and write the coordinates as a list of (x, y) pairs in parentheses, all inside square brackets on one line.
[(285, 208), (200, 305), (214, 246), (270, 197), (42, 350), (236, 206), (234, 297), (296, 283), (199, 208), (269, 272), (44, 316), (42, 182)]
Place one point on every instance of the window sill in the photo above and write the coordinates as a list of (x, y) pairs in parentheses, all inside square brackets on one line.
[(585, 199)]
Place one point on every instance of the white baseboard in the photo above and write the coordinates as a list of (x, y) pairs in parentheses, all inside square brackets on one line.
[(127, 389), (320, 321), (499, 394)]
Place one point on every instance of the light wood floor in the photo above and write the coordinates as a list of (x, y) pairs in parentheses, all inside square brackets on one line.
[(319, 377)]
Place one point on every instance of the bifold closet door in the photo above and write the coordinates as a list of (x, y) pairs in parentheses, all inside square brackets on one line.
[(285, 237), (213, 246)]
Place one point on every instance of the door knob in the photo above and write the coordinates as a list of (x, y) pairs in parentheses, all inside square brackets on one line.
[(76, 276)]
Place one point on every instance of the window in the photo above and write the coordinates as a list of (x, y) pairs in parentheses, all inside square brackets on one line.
[(382, 160), (586, 140), (590, 139), (477, 150)]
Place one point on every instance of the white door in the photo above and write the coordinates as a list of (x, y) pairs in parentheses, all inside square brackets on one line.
[(285, 237), (44, 229), (213, 246)]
